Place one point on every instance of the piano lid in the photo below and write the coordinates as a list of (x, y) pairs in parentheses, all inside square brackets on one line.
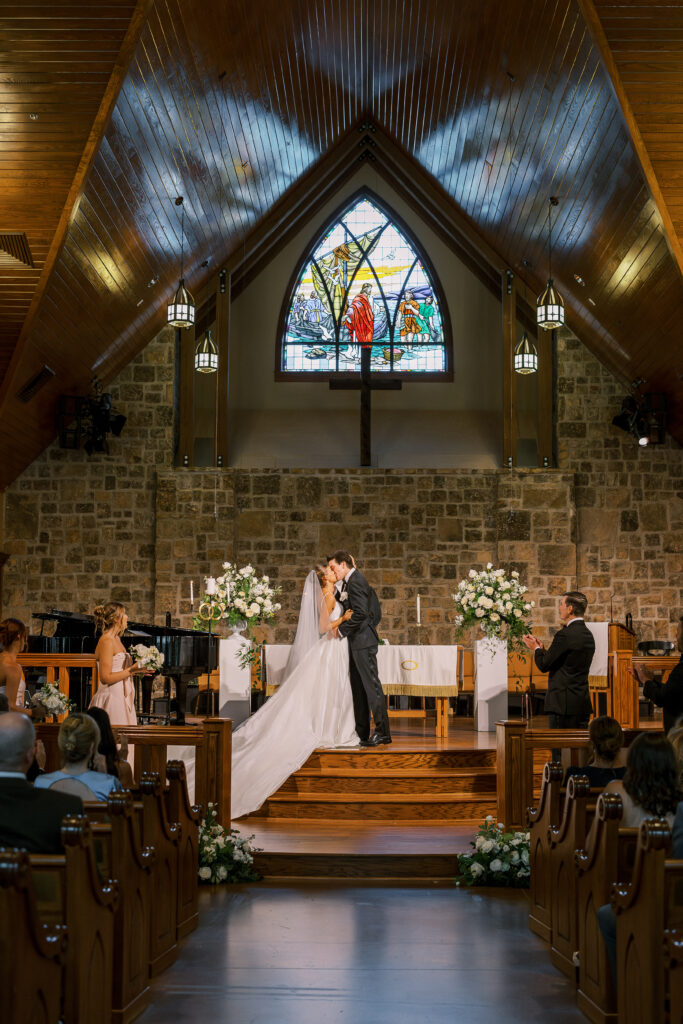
[(75, 621)]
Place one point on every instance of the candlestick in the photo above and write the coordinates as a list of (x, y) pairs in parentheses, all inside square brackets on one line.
[(419, 620), (210, 585), (227, 588)]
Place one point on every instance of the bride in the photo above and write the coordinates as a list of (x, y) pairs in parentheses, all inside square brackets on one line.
[(312, 707)]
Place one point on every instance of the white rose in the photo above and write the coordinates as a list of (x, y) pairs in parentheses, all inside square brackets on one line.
[(222, 873), (488, 590), (495, 617), (479, 842), (476, 869), (277, 607), (479, 612), (226, 565), (254, 608), (489, 565), (515, 574), (205, 873), (472, 574), (487, 845), (220, 580), (496, 865), (518, 614)]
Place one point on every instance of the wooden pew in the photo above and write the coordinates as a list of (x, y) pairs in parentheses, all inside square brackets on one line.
[(117, 832), (165, 837), (673, 965), (564, 839), (31, 952), (608, 857), (70, 892), (179, 808), (541, 818), (646, 908)]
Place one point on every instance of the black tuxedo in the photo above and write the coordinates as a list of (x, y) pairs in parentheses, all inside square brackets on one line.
[(362, 636), (567, 662), (30, 819), (668, 695)]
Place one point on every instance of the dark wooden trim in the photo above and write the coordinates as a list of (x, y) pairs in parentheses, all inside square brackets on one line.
[(545, 375), (509, 375), (111, 94), (221, 446), (186, 338), (392, 216)]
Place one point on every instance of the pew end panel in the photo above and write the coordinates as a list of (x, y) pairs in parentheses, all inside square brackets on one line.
[(32, 952), (541, 818), (189, 816), (165, 837)]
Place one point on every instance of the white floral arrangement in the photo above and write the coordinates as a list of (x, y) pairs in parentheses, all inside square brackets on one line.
[(495, 602), (499, 858), (224, 854), (147, 657), (239, 595), (53, 700)]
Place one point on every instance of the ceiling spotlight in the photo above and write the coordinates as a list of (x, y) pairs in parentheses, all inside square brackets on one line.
[(644, 419)]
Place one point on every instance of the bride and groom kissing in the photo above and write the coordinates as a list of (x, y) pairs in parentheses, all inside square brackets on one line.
[(328, 690)]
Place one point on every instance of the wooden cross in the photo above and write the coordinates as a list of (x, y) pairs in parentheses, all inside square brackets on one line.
[(368, 383)]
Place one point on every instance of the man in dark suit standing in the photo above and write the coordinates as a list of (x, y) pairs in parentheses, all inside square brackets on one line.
[(567, 662), (30, 819), (360, 630)]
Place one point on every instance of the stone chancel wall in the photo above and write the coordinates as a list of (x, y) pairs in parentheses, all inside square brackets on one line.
[(609, 519)]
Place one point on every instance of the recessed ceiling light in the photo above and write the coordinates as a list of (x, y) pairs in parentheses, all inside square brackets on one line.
[(139, 302), (592, 302), (579, 280), (152, 281), (33, 117)]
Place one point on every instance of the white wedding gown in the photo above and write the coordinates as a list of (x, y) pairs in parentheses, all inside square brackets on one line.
[(312, 708)]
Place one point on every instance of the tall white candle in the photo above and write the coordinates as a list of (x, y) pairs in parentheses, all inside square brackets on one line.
[(419, 622), (210, 585), (227, 589), (192, 592)]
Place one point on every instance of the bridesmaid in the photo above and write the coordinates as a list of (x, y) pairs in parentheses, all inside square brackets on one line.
[(116, 691), (12, 683)]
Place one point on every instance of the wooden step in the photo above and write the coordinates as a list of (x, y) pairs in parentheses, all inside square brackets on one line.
[(386, 759), (427, 867), (416, 807), (471, 781)]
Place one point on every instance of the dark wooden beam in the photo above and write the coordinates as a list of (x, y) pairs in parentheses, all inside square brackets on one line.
[(545, 378), (509, 376)]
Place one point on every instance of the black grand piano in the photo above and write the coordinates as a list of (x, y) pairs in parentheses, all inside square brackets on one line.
[(188, 653)]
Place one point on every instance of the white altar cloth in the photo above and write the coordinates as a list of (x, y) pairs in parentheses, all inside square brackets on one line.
[(426, 670)]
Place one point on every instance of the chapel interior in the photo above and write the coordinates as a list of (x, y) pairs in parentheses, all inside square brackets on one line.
[(192, 195)]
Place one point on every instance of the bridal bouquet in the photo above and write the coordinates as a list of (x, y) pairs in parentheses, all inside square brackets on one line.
[(496, 603), (499, 858), (224, 855), (239, 595), (52, 699), (147, 657)]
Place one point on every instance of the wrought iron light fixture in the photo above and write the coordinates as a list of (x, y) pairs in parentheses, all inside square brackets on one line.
[(550, 304), (526, 357), (181, 311), (644, 418), (206, 355)]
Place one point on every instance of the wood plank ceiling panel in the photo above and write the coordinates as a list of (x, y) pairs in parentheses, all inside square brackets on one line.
[(55, 66), (230, 103)]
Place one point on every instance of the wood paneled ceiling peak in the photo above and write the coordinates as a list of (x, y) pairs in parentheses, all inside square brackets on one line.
[(232, 104)]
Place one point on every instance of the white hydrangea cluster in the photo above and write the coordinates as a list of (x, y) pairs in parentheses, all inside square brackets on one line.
[(224, 855), (495, 602), (499, 857)]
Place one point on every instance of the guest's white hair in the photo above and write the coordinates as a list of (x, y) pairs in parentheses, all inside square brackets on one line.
[(17, 736)]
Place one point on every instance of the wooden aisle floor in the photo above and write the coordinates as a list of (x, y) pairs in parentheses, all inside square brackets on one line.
[(321, 952)]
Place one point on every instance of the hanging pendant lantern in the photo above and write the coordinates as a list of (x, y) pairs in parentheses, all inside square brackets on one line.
[(526, 357), (206, 355), (181, 310), (550, 304)]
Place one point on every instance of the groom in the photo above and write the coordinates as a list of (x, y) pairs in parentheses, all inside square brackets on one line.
[(356, 594)]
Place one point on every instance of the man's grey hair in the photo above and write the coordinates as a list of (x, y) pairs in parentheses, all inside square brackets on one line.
[(17, 736)]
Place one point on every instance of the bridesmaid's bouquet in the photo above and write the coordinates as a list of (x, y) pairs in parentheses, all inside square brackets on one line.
[(148, 657)]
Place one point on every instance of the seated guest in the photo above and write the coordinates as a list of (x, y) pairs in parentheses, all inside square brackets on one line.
[(30, 818), (606, 740), (650, 785), (13, 638), (115, 762), (78, 740), (649, 790), (668, 695)]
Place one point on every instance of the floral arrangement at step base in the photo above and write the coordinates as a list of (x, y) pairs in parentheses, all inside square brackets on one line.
[(499, 858), (239, 595), (496, 604), (224, 855), (51, 698), (147, 657)]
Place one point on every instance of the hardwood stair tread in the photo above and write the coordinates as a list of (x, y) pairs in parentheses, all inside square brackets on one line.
[(393, 773), (398, 798)]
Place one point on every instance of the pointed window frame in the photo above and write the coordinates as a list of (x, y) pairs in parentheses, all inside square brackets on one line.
[(419, 376)]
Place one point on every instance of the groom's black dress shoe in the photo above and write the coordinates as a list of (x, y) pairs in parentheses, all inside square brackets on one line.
[(376, 740)]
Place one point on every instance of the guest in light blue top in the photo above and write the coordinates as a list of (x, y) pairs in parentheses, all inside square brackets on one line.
[(78, 740)]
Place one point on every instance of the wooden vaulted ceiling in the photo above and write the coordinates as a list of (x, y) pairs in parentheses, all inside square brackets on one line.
[(232, 104)]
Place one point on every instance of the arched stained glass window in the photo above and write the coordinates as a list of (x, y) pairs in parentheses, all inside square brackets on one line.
[(365, 286)]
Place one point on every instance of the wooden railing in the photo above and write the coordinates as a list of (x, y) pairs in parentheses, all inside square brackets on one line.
[(58, 667)]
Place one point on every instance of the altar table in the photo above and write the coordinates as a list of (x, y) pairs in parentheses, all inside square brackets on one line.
[(416, 670)]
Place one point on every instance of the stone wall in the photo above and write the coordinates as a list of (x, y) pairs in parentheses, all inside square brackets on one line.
[(128, 524)]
